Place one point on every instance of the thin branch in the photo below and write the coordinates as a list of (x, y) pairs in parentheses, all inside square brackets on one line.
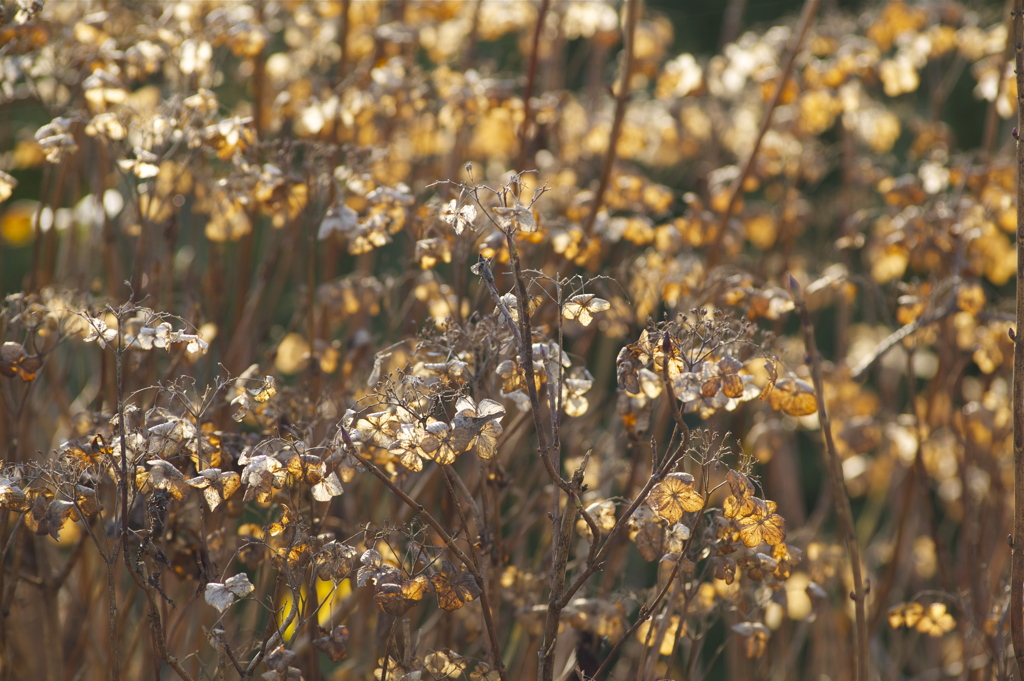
[(807, 14), (894, 338), (525, 130), (840, 496), (621, 102)]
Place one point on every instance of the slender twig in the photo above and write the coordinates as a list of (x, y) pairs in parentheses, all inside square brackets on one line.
[(621, 102), (1016, 606), (894, 338), (525, 129), (840, 496), (343, 29), (731, 22), (988, 136), (807, 14)]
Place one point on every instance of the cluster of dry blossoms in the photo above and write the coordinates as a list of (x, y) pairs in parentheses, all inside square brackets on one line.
[(442, 320)]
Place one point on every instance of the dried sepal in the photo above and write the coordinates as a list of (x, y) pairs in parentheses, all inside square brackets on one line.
[(86, 500), (650, 541), (395, 595), (574, 386), (7, 186), (333, 643), (265, 391), (627, 365), (262, 475), (674, 629), (477, 426), (430, 252), (762, 525), (453, 587), (48, 515), (164, 476), (169, 438), (445, 664), (335, 560), (328, 488), (222, 594), (603, 515), (15, 361), (740, 503), (459, 217), (377, 428), (12, 497), (794, 397), (483, 672), (674, 496), (516, 218), (583, 307), (438, 444), (217, 485), (56, 140), (373, 569), (755, 638)]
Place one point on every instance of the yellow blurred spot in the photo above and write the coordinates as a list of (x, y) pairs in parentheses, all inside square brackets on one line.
[(16, 223), (292, 354)]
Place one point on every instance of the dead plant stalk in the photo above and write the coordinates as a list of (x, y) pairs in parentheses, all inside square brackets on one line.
[(844, 512), (1017, 540)]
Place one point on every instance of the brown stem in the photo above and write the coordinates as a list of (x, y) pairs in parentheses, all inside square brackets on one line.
[(807, 14), (988, 136), (622, 100), (259, 81), (732, 22), (1016, 606), (525, 136), (343, 29), (844, 512), (893, 339)]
